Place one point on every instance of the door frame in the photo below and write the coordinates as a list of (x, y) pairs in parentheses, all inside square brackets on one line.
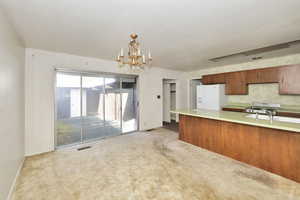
[(168, 81), (166, 102)]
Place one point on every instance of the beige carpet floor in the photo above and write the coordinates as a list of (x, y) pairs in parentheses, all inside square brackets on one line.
[(146, 165)]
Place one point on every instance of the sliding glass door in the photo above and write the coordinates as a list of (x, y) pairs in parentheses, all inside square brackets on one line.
[(94, 106), (112, 106), (68, 109), (93, 123)]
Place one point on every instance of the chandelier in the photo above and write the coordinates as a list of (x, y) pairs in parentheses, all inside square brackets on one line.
[(136, 59)]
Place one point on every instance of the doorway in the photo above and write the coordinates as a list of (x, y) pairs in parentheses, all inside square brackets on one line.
[(92, 106), (169, 103)]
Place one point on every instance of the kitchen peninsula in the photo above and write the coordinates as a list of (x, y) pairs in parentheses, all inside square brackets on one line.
[(274, 147)]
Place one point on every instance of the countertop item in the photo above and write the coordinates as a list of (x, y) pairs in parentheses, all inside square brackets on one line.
[(238, 117)]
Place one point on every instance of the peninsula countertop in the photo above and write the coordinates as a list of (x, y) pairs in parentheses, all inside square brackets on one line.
[(240, 118)]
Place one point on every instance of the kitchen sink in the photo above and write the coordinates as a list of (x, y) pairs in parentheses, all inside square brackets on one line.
[(275, 118)]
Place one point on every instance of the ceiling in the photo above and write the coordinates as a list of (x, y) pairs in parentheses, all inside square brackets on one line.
[(182, 34)]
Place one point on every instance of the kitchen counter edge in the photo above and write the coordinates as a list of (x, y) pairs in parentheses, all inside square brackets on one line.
[(240, 118)]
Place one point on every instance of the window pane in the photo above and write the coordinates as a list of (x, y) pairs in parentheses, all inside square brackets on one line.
[(68, 120)]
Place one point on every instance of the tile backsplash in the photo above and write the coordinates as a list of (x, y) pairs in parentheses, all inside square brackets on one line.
[(265, 93)]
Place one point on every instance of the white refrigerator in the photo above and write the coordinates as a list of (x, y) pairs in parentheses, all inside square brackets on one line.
[(211, 97)]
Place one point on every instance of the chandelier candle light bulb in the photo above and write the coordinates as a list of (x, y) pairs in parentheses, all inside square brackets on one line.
[(144, 59), (149, 55), (136, 59)]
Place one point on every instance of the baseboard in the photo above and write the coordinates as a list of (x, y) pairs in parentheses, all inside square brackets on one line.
[(13, 185), (33, 153)]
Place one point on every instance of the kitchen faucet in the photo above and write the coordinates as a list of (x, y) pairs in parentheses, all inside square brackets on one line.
[(263, 108), (271, 114)]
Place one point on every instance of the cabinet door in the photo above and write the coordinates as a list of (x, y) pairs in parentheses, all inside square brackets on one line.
[(268, 75), (289, 80), (252, 76), (213, 79), (206, 79), (236, 83)]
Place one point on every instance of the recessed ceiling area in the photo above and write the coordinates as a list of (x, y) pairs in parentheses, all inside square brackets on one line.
[(182, 35)]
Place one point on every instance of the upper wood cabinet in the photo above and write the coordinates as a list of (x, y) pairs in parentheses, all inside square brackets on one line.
[(266, 75), (252, 76), (236, 83), (288, 78), (214, 79)]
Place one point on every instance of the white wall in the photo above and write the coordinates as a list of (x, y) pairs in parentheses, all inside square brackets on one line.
[(39, 107), (11, 105)]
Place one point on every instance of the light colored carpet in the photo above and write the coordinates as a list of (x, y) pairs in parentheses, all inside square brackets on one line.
[(146, 165)]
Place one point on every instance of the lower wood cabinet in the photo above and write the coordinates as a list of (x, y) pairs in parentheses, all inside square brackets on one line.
[(273, 150)]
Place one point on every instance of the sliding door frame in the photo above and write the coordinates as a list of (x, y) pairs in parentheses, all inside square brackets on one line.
[(99, 74)]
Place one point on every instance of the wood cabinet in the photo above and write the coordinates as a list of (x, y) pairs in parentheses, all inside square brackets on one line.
[(266, 75), (234, 109), (289, 80), (236, 83), (273, 150), (252, 76), (214, 79)]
